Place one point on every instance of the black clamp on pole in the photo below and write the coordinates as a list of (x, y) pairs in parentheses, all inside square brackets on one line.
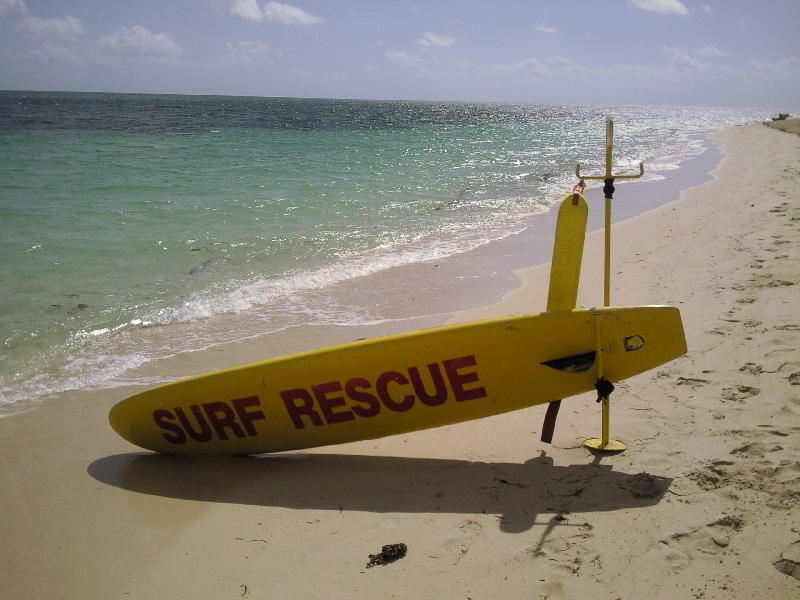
[(604, 388), (608, 188)]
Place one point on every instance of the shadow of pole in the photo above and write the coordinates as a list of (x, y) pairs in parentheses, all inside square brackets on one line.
[(517, 493)]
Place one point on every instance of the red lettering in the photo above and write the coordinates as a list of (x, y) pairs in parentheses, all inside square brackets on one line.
[(204, 434), (458, 380), (306, 408), (247, 418), (373, 406), (382, 386), (440, 395), (327, 405), (177, 436), (220, 423)]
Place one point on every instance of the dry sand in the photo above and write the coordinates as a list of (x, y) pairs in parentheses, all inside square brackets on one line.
[(703, 504)]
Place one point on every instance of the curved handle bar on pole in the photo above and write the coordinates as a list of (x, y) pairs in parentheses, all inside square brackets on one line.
[(602, 177)]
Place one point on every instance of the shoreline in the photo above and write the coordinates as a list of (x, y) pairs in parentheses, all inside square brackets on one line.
[(704, 497), (408, 297)]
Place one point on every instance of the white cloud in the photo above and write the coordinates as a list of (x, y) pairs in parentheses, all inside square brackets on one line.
[(545, 29), (17, 6), (709, 50), (681, 59), (706, 9), (788, 67), (67, 28), (137, 41), (551, 65), (289, 15), (247, 54), (247, 10), (404, 58), (681, 77), (54, 53), (529, 66), (664, 7), (433, 39)]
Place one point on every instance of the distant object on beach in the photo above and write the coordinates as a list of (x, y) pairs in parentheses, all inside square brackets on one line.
[(784, 123)]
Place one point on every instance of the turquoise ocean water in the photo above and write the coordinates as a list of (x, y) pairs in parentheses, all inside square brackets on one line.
[(136, 227)]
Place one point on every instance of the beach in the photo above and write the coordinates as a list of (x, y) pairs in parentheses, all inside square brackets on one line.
[(704, 503)]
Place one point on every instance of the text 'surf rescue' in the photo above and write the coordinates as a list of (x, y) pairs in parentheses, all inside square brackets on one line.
[(327, 403)]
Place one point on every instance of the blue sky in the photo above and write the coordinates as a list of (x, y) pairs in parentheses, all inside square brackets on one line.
[(659, 52)]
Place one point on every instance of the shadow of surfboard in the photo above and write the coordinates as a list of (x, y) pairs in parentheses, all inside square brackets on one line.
[(517, 493)]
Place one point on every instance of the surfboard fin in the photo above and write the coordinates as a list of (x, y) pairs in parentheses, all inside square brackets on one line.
[(549, 425)]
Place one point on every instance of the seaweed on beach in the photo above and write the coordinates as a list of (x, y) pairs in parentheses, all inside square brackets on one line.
[(388, 554)]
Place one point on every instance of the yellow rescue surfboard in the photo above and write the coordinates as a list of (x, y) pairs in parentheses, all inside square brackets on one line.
[(396, 384)]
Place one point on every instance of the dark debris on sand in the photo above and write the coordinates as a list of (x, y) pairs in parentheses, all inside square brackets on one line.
[(389, 553)]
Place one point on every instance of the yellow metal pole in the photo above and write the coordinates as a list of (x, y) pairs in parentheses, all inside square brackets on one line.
[(605, 401), (604, 443), (598, 342), (607, 266)]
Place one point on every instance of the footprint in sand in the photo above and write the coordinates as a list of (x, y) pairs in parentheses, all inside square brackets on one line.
[(458, 544), (789, 561), (666, 555), (740, 392), (777, 487), (692, 382), (751, 450), (778, 351), (720, 330), (677, 551), (645, 486), (568, 554), (779, 283)]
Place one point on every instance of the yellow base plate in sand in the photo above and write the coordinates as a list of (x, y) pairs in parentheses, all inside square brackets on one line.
[(610, 446)]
